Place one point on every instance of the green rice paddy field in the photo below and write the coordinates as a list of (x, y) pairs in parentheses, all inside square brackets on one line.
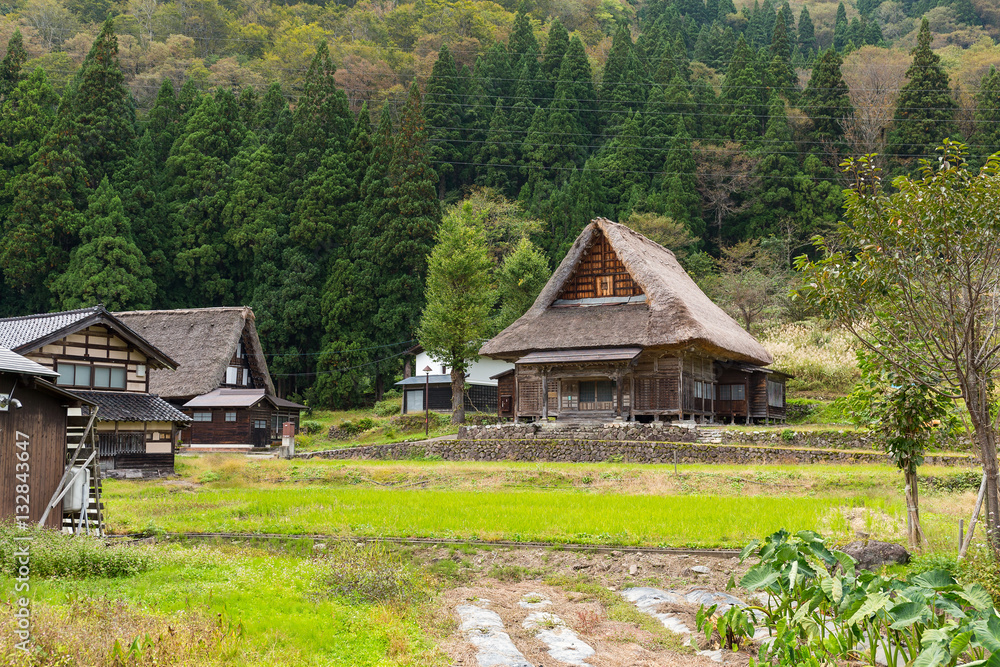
[(699, 506)]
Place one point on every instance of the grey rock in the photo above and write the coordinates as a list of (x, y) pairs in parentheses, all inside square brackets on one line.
[(872, 554), (700, 569), (632, 569)]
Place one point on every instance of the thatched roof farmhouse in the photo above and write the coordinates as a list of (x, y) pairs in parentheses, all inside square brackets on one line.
[(622, 331), (220, 363)]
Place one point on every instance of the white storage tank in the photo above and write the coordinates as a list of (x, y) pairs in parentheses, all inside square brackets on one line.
[(79, 491)]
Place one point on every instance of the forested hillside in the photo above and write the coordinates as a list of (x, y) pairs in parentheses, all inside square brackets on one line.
[(297, 158)]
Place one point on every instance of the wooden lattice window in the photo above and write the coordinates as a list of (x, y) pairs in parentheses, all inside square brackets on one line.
[(605, 285)]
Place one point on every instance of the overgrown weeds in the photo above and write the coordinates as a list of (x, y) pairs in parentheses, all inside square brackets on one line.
[(53, 554), (368, 573), (103, 632)]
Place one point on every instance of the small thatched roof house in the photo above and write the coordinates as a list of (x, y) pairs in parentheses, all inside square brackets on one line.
[(202, 341), (622, 330), (215, 348)]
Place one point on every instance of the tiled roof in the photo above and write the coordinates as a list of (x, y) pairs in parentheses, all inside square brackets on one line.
[(227, 398), (132, 407), (18, 331), (12, 362)]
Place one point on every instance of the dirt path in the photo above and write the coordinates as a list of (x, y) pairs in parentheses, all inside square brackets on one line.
[(553, 608)]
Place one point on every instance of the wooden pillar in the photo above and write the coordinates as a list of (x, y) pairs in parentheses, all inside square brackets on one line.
[(545, 395), (618, 394), (516, 401), (631, 396), (680, 389), (746, 395)]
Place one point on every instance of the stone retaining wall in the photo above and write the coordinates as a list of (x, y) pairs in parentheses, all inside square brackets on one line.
[(826, 439), (662, 432), (573, 450), (617, 431)]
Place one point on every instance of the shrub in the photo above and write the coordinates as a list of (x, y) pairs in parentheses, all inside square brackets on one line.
[(800, 409), (822, 610), (367, 573), (53, 554), (311, 427), (388, 407), (354, 428), (209, 476), (980, 567), (415, 422)]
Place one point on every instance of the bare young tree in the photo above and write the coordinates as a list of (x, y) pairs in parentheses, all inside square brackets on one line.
[(143, 11), (724, 172), (54, 23), (874, 77), (749, 281)]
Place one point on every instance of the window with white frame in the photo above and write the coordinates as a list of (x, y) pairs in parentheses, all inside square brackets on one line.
[(230, 416), (202, 416)]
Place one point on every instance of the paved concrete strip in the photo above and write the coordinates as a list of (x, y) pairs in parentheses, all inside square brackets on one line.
[(564, 644), (484, 630)]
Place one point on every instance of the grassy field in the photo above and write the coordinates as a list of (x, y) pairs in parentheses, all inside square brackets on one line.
[(218, 605), (590, 503), (385, 428)]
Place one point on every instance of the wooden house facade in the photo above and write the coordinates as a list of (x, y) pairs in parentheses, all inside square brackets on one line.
[(222, 383), (621, 331), (99, 359)]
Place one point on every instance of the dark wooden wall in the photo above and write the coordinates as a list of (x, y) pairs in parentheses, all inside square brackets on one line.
[(220, 432), (597, 261), (505, 394), (43, 419)]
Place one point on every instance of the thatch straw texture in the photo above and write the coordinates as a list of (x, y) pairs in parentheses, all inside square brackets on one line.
[(676, 314), (202, 341)]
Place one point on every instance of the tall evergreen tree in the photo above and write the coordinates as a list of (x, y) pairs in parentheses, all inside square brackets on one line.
[(623, 162), (322, 121), (840, 28), (826, 99), (475, 130), (163, 122), (777, 170), (497, 156), (925, 110), (443, 110), (406, 231), (576, 83), (10, 67), (807, 33), (26, 116), (107, 267), (677, 194), (139, 183), (522, 41), (551, 153), (986, 138), (494, 68), (556, 46), (44, 221), (198, 170), (782, 74), (98, 108)]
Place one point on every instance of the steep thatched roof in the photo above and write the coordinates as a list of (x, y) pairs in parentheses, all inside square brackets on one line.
[(202, 341), (676, 313)]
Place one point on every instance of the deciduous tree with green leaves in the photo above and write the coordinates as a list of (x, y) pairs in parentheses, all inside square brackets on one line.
[(459, 300), (914, 276), (903, 411)]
